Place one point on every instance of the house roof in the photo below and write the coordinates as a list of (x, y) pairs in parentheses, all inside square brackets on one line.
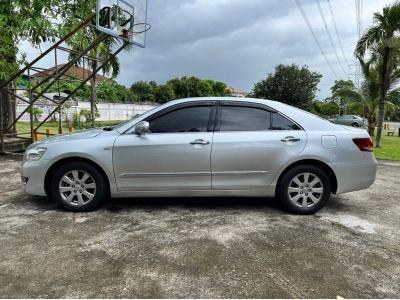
[(75, 71), (236, 91)]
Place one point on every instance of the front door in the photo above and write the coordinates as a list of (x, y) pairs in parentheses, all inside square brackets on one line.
[(251, 143), (174, 156)]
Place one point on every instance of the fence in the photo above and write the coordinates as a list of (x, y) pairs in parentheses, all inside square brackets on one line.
[(107, 111)]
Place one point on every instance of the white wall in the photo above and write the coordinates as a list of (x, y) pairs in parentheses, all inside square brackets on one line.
[(108, 111)]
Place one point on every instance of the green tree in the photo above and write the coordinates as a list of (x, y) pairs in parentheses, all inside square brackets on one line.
[(110, 91), (338, 86), (177, 88), (192, 86), (37, 113), (180, 87), (164, 93), (382, 39), (219, 88), (82, 117), (144, 91), (289, 84), (326, 109), (69, 85), (21, 20)]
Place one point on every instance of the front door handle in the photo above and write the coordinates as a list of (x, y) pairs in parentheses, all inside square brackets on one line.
[(199, 142), (290, 139)]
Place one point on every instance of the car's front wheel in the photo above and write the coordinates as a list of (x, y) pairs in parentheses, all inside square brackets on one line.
[(304, 189), (355, 124), (78, 187)]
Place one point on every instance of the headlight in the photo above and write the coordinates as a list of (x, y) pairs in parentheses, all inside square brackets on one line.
[(34, 153)]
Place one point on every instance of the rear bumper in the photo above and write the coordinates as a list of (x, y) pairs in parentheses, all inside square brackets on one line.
[(354, 176)]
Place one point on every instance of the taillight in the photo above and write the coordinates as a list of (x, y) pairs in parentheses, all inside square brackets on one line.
[(364, 144)]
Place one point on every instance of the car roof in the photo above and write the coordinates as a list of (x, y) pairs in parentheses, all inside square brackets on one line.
[(305, 119)]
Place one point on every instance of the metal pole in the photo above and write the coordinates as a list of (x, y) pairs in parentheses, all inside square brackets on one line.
[(93, 94), (59, 94), (31, 107)]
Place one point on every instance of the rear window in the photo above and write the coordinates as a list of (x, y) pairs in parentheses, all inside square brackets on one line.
[(279, 122)]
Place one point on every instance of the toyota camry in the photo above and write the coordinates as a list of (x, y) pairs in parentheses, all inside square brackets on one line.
[(205, 147)]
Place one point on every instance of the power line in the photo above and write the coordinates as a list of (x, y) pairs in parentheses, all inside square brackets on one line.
[(329, 35), (315, 37), (337, 33)]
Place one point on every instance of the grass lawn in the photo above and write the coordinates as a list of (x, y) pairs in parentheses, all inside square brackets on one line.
[(390, 149), (52, 126)]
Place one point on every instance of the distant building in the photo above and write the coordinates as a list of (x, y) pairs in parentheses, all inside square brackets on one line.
[(75, 72), (237, 93)]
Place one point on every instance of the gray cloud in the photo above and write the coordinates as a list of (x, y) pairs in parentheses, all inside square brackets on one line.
[(240, 41)]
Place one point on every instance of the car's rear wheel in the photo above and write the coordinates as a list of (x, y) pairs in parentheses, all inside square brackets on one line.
[(304, 189), (78, 187), (355, 124)]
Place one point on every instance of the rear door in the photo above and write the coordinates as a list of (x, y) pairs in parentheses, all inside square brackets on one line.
[(251, 143)]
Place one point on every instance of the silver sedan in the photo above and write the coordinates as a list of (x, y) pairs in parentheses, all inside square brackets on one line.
[(350, 120), (205, 147)]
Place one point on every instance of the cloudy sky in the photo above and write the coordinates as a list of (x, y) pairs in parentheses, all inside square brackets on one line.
[(240, 41)]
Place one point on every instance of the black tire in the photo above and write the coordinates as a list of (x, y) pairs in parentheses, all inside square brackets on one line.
[(100, 192), (283, 190), (355, 124)]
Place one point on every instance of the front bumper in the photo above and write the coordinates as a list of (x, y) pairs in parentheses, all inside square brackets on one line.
[(355, 175), (33, 175)]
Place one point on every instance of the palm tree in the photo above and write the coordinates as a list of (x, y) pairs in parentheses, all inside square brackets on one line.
[(366, 98), (382, 39)]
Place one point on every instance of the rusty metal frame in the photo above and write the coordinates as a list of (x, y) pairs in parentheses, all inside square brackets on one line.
[(51, 78)]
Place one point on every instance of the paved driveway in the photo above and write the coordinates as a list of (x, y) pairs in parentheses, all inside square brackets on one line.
[(201, 247)]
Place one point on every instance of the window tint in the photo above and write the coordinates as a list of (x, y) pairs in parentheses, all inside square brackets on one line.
[(281, 123), (236, 118), (189, 119)]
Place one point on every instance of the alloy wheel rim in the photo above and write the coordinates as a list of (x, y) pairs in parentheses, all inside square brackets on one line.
[(77, 187), (305, 190)]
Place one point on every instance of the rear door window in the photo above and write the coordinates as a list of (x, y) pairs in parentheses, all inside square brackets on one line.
[(241, 118)]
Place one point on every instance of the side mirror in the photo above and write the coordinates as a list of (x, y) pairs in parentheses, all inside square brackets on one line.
[(142, 128)]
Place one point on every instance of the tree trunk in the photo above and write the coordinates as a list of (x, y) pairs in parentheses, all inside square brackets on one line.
[(371, 124), (7, 103), (385, 75)]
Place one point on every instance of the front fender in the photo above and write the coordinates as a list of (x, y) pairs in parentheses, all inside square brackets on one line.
[(97, 150)]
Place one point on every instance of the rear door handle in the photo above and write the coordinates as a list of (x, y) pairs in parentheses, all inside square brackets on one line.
[(199, 142), (290, 139)]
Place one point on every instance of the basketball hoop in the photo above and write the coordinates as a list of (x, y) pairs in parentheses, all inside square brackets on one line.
[(128, 35), (123, 19)]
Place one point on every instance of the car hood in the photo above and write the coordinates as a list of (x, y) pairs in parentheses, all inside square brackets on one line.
[(79, 135)]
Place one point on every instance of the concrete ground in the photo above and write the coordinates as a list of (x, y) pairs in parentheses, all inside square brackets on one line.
[(212, 248)]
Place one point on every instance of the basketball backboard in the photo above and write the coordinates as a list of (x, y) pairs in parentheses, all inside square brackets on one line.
[(124, 19)]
